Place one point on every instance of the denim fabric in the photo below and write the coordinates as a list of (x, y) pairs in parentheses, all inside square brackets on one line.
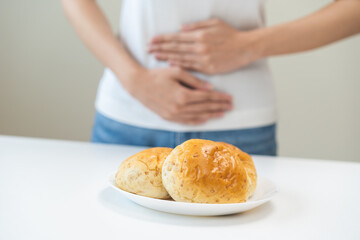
[(261, 140)]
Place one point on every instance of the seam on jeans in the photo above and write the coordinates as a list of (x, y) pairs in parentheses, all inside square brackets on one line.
[(173, 139), (178, 138)]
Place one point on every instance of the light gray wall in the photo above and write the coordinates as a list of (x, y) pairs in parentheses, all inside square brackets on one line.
[(318, 92), (48, 81)]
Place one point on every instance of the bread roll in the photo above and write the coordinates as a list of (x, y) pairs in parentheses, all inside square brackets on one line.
[(141, 173), (249, 166), (203, 171)]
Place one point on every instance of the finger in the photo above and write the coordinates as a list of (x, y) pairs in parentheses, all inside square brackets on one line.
[(188, 119), (201, 96), (173, 47), (199, 118), (208, 106), (174, 37), (201, 24), (190, 80), (190, 65), (164, 56)]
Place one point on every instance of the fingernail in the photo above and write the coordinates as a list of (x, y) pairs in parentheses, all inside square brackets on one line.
[(154, 39), (184, 27), (208, 86), (221, 114)]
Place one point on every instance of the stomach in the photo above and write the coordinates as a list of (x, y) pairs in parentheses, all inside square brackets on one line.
[(251, 86)]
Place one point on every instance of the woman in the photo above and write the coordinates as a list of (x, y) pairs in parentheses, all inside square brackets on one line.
[(186, 69)]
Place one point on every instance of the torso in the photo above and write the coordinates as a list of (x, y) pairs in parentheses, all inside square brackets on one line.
[(251, 86)]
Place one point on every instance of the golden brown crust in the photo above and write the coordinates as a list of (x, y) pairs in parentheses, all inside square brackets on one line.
[(204, 171), (248, 164), (141, 173)]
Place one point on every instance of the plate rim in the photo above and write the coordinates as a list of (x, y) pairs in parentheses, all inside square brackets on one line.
[(270, 195)]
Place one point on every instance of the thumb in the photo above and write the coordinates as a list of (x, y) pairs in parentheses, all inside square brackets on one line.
[(193, 82)]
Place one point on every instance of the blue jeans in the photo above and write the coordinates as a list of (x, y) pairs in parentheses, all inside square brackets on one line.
[(260, 140)]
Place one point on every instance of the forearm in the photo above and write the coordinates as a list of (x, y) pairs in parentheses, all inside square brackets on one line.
[(95, 31), (336, 21)]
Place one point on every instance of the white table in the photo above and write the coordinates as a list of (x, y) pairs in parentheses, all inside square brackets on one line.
[(58, 190)]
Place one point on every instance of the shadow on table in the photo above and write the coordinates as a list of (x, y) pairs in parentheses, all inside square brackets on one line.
[(123, 206)]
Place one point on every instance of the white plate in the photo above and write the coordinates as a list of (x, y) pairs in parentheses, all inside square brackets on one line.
[(264, 192)]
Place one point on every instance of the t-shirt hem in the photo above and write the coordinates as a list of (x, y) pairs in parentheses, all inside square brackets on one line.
[(231, 121)]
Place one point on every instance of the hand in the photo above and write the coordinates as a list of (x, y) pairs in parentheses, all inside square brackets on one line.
[(178, 96), (210, 47)]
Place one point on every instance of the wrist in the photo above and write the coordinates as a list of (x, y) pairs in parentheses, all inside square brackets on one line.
[(255, 46), (261, 42), (130, 78)]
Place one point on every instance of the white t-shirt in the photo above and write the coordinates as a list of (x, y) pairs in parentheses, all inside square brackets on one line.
[(251, 86)]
